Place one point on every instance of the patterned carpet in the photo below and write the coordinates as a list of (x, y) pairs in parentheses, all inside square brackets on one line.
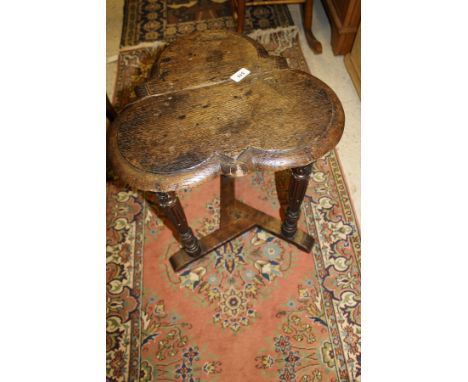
[(257, 309), (152, 20)]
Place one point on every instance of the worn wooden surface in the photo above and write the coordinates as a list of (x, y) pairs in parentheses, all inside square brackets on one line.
[(192, 122), (206, 58)]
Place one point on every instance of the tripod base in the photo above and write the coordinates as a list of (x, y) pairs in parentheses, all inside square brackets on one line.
[(237, 218)]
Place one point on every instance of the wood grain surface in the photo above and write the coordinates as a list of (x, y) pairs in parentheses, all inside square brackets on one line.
[(206, 58), (192, 122)]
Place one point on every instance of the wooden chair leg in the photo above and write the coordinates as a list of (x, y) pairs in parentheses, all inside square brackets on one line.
[(314, 44), (297, 189), (240, 15), (170, 204)]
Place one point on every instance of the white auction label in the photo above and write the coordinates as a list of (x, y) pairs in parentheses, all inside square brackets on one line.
[(240, 74)]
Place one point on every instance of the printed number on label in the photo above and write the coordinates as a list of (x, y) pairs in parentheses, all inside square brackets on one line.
[(240, 74)]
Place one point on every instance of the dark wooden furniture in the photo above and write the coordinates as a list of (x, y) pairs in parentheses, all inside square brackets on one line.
[(111, 114), (345, 18), (239, 6), (192, 123), (353, 63)]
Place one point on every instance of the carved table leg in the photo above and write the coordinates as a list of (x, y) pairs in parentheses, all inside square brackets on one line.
[(297, 188), (172, 208)]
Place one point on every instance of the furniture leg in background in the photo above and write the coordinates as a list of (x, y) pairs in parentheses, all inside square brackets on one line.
[(239, 14), (110, 111), (111, 114), (314, 44)]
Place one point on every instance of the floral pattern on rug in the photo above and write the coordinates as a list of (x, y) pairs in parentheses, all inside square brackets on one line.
[(238, 272), (256, 309), (330, 218), (167, 350), (301, 350), (125, 211)]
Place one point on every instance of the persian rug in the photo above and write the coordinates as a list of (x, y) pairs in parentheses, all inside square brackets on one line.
[(256, 309), (153, 20)]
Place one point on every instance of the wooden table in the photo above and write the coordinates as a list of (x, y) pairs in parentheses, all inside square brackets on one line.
[(192, 122)]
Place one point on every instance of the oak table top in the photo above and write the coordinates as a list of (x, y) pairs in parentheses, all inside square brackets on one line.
[(192, 122)]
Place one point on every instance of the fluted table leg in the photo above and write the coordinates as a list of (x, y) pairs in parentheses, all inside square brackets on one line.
[(170, 204), (297, 188)]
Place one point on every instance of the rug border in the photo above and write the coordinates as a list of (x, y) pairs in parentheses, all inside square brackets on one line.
[(353, 208)]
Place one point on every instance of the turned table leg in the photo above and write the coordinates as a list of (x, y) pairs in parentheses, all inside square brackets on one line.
[(170, 204), (297, 189)]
